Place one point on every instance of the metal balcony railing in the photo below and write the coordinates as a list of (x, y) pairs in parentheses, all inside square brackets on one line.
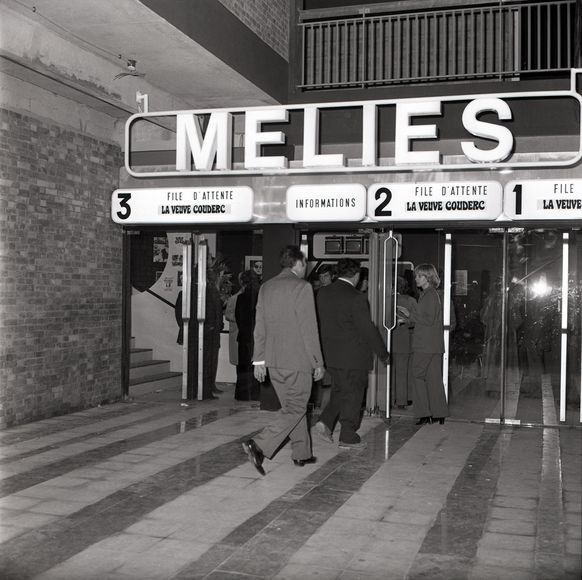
[(494, 40)]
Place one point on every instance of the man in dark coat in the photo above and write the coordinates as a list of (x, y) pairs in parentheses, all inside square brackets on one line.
[(349, 340)]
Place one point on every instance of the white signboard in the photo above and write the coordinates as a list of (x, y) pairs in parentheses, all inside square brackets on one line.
[(182, 205), (544, 199), (211, 151), (434, 201), (326, 203)]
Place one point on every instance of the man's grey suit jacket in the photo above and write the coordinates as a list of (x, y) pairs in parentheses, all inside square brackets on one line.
[(286, 334)]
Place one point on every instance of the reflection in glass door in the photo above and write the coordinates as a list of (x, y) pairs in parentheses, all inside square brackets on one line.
[(515, 341), (571, 411), (544, 268), (474, 381)]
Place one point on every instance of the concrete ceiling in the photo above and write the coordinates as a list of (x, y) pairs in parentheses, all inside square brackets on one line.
[(171, 61)]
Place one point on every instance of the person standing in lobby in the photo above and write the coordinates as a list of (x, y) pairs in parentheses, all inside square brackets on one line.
[(401, 347), (287, 344), (247, 387), (349, 339), (428, 346)]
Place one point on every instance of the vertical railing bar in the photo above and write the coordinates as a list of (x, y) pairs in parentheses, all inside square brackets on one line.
[(356, 51), (336, 53), (465, 40), (492, 41), (437, 43), (416, 31), (455, 47), (321, 56), (517, 53), (500, 66), (495, 40), (303, 55), (313, 54), (427, 28), (314, 61), (429, 39), (362, 51), (559, 38), (330, 46), (569, 62), (380, 50), (528, 32), (309, 54), (346, 52), (422, 41), (410, 41), (548, 10), (539, 47), (304, 32), (473, 45), (398, 48), (483, 48), (448, 27), (325, 54), (373, 48)]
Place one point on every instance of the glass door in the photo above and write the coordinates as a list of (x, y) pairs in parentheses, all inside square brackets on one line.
[(571, 405), (393, 257), (476, 333), (383, 263), (515, 347), (544, 269)]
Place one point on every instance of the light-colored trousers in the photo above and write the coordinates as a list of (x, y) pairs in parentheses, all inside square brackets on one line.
[(293, 389)]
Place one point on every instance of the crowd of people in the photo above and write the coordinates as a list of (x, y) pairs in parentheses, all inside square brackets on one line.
[(301, 332), (296, 333)]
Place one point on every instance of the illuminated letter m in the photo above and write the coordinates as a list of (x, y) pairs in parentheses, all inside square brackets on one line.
[(191, 145)]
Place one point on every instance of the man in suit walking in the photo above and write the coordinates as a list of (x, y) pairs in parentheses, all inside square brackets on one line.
[(287, 344), (349, 339)]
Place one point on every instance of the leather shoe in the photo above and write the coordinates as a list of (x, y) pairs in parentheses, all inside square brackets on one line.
[(302, 462), (441, 420), (255, 455), (424, 420), (323, 431), (358, 445)]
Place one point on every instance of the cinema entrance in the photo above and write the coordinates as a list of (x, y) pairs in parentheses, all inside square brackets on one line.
[(511, 302)]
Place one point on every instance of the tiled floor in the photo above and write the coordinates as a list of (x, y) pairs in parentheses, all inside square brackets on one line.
[(154, 490)]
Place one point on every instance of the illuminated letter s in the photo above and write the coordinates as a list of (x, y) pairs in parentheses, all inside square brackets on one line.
[(502, 135)]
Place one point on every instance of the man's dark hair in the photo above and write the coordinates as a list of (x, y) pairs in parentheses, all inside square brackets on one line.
[(347, 268), (290, 255)]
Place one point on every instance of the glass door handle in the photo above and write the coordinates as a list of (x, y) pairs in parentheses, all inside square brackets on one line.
[(390, 238)]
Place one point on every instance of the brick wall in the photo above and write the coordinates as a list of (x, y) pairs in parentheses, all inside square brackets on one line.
[(268, 19), (60, 259)]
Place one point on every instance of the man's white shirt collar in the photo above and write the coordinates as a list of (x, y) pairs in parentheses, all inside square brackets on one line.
[(348, 281)]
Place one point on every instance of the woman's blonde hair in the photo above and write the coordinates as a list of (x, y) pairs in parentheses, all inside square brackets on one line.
[(429, 271)]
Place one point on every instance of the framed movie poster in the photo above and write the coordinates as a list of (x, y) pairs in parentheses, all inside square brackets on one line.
[(254, 263)]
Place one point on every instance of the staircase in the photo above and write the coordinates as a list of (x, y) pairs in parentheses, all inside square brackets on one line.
[(147, 375)]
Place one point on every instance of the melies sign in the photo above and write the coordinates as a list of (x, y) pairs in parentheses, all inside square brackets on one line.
[(416, 127)]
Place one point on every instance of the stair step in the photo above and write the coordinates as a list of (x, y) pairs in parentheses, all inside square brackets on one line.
[(155, 382), (148, 367), (138, 355)]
